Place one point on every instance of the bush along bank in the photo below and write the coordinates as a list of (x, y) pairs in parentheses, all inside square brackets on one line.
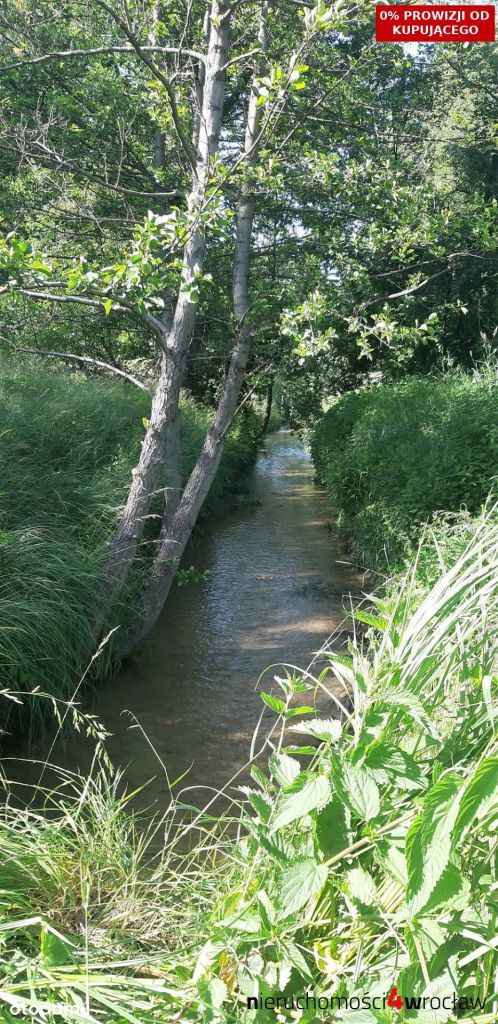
[(356, 873), (394, 454), (67, 445)]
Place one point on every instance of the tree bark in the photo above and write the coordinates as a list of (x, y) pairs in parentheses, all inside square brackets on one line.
[(161, 439), (177, 528)]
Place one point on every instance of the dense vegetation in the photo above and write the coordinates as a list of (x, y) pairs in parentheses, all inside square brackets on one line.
[(364, 863), (68, 446), (394, 454), (249, 192), (228, 201)]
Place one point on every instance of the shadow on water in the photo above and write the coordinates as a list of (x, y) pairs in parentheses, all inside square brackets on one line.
[(278, 586)]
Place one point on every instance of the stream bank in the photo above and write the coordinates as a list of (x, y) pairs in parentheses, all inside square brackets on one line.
[(277, 587)]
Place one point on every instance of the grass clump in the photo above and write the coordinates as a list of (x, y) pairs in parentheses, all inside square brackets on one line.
[(67, 446), (365, 855), (394, 454)]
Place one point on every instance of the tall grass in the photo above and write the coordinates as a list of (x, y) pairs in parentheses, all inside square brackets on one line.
[(364, 857), (394, 454), (67, 445)]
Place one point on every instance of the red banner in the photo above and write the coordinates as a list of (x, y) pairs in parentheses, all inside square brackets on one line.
[(437, 23)]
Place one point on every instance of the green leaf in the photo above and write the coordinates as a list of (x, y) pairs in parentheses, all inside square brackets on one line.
[(259, 776), (275, 846), (274, 702), (332, 828), (41, 268), (108, 306), (300, 883), (303, 709), (284, 768), (291, 955), (429, 841), (53, 950), (479, 795), (266, 911), (393, 861), (305, 794), (389, 763), (360, 792), (213, 993), (302, 750), (450, 891), (376, 621), (412, 705), (361, 887), (261, 805), (327, 729)]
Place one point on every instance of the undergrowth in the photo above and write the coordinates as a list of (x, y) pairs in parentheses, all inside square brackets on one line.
[(67, 446), (394, 454), (361, 858)]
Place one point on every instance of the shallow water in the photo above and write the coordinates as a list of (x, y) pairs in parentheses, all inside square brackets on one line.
[(277, 588)]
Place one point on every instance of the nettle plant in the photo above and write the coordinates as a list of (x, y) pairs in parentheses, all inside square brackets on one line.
[(375, 866)]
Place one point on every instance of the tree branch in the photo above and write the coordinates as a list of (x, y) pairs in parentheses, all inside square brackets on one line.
[(80, 359), (160, 76), (119, 305), (406, 291), (77, 299), (63, 54), (51, 156), (242, 56)]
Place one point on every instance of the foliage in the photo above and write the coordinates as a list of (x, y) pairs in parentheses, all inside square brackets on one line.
[(374, 248), (365, 861), (67, 448), (392, 455)]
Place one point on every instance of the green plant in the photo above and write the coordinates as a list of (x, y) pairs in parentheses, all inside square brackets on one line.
[(394, 454), (362, 859), (376, 866), (67, 446)]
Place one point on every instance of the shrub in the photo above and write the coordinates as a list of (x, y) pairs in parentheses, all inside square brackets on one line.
[(394, 454)]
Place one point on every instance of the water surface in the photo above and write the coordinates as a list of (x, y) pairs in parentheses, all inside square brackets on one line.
[(278, 585)]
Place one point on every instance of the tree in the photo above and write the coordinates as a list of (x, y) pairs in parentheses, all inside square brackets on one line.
[(159, 279), (175, 147)]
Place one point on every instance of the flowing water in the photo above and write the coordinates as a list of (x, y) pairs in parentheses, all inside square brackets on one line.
[(277, 587)]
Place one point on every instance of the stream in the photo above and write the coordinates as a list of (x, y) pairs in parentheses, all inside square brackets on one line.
[(277, 588)]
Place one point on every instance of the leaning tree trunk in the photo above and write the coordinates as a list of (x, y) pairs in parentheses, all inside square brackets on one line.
[(177, 528), (161, 443)]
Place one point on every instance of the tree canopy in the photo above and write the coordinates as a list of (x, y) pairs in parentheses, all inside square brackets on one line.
[(237, 193)]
